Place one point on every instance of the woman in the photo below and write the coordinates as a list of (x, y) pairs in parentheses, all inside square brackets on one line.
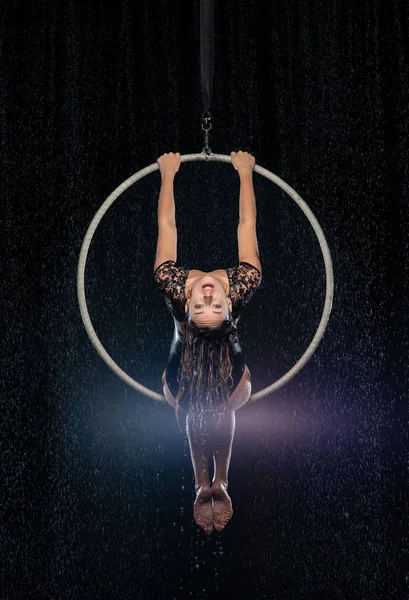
[(206, 376)]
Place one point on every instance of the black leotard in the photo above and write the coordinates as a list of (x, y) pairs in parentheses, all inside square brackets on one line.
[(171, 279)]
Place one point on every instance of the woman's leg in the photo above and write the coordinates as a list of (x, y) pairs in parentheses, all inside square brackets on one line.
[(199, 444), (222, 442), (199, 434)]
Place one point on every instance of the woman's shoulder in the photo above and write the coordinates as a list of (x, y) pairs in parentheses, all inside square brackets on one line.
[(169, 267), (244, 272), (170, 273), (171, 280), (244, 279)]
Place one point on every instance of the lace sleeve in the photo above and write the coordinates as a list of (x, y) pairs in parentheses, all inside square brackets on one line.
[(244, 281), (171, 280)]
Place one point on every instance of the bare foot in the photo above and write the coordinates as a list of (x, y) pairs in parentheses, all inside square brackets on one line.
[(222, 507), (203, 509)]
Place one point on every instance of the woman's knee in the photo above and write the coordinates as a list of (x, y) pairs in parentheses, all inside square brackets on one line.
[(242, 393)]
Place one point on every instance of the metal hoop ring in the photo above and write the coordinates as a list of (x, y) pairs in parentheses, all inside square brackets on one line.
[(218, 158)]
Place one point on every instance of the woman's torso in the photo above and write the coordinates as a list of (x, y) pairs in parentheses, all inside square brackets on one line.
[(239, 284)]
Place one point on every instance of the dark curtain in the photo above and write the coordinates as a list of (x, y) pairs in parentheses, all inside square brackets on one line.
[(96, 481)]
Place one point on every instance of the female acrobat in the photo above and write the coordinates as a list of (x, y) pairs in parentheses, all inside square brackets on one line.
[(206, 377)]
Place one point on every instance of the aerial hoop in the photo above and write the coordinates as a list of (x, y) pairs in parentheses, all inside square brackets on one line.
[(218, 158)]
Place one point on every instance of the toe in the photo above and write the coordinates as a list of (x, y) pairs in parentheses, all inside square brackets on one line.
[(221, 522)]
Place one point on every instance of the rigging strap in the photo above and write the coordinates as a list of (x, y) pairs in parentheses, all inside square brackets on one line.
[(206, 66)]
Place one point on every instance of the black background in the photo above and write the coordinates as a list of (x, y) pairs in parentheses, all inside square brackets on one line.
[(96, 480)]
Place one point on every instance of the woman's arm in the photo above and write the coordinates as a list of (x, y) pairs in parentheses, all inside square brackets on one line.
[(167, 236), (246, 231)]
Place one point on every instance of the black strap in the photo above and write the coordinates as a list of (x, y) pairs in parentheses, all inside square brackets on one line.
[(207, 52), (207, 65)]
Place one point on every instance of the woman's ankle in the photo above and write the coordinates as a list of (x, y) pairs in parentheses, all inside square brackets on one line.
[(220, 482), (202, 485)]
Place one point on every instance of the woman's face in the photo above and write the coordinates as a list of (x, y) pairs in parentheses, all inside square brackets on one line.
[(208, 306)]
